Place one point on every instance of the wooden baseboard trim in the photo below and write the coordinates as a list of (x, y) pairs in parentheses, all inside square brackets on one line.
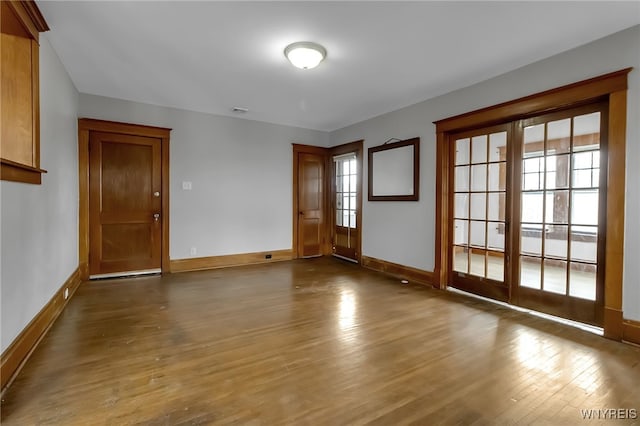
[(631, 331), (407, 272), (15, 356), (214, 262), (84, 271), (613, 323)]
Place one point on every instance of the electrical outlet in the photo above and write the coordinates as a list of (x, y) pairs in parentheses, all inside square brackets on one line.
[(267, 256), (66, 293), (186, 185), (193, 251)]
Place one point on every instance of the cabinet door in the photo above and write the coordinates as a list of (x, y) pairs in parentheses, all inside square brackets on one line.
[(17, 100), (20, 101)]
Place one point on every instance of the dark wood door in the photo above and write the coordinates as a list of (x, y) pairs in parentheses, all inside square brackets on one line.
[(125, 199), (311, 223)]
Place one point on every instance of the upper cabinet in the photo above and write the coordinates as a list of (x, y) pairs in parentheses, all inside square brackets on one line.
[(22, 23)]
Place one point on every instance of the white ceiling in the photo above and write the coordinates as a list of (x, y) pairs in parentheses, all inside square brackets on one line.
[(212, 56)]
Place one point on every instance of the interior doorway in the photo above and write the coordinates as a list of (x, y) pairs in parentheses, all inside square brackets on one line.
[(346, 201), (309, 210), (124, 198), (327, 201)]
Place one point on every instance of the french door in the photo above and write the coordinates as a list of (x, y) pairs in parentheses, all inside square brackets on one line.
[(528, 210), (346, 227), (480, 215), (346, 203), (561, 227)]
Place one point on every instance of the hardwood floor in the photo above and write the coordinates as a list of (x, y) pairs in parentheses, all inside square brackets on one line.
[(316, 341)]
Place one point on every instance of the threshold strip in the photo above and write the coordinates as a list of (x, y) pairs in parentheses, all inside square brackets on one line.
[(125, 274), (586, 327)]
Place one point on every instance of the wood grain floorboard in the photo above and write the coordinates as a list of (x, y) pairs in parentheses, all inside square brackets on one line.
[(311, 342)]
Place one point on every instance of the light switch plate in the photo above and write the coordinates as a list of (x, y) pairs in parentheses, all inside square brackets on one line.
[(186, 185)]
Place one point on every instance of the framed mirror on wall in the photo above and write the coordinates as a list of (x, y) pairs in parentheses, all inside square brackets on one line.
[(394, 171)]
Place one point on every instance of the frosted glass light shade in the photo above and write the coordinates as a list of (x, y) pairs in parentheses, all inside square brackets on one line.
[(305, 55)]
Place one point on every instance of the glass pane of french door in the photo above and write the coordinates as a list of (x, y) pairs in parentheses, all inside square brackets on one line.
[(479, 205), (345, 232), (559, 206), (346, 178)]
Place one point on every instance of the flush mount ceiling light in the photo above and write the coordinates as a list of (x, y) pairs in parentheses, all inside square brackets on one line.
[(304, 54)]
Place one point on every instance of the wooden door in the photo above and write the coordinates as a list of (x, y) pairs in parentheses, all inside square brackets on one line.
[(125, 202), (559, 241), (346, 201), (311, 222), (480, 215)]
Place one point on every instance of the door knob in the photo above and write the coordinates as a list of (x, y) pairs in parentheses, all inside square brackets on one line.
[(156, 216), (156, 194)]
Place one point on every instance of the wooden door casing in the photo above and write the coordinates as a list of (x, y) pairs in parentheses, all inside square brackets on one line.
[(125, 194), (612, 87), (86, 126)]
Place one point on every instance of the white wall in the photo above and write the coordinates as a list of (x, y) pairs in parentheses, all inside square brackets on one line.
[(40, 222), (404, 232), (241, 174)]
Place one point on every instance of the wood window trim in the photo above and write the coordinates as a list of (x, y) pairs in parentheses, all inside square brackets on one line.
[(612, 87), (87, 125), (17, 172), (30, 23)]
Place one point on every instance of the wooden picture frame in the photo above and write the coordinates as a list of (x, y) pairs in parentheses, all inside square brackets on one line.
[(394, 171)]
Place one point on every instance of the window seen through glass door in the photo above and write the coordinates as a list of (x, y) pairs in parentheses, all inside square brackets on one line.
[(479, 205), (560, 204), (346, 192)]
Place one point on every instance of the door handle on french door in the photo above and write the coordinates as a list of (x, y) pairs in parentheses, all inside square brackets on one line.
[(156, 216)]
